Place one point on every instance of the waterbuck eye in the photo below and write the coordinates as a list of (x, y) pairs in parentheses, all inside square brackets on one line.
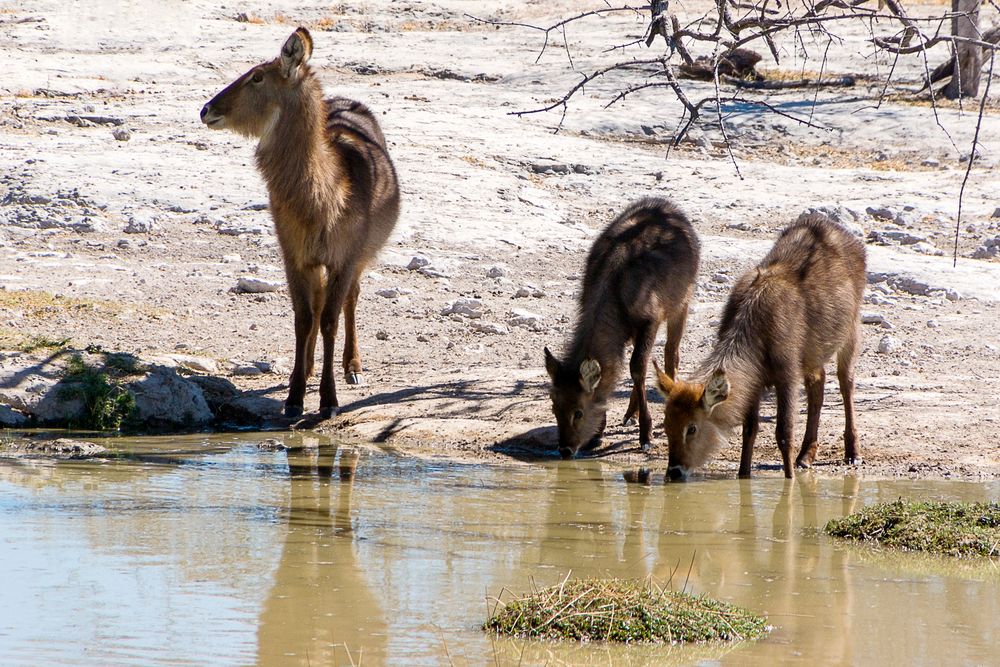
[(692, 429), (257, 77), (578, 415)]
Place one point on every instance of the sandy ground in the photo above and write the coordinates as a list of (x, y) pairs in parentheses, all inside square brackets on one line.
[(147, 237)]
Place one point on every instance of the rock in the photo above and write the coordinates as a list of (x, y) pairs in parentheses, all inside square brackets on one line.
[(899, 236), (164, 398), (245, 370), (996, 212), (720, 278), (741, 226), (883, 212), (63, 448), (872, 318), (546, 166), (227, 228), (465, 307), (195, 363), (121, 134), (231, 259), (139, 224), (528, 290), (989, 249), (389, 293), (933, 324), (931, 162), (888, 344), (952, 295), (490, 328), (272, 367), (10, 417), (253, 285), (525, 320), (497, 271), (926, 248), (911, 285), (418, 262), (381, 334)]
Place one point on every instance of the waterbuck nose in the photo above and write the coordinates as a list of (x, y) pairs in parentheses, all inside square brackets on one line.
[(676, 473), (566, 453), (205, 110)]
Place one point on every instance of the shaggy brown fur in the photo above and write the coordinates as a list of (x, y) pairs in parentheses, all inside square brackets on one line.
[(640, 272), (784, 320), (333, 193)]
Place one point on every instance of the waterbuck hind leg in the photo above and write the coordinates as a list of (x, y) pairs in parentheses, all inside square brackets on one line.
[(671, 351), (814, 398), (302, 287), (845, 376), (751, 425), (352, 355), (785, 394), (336, 292), (633, 406)]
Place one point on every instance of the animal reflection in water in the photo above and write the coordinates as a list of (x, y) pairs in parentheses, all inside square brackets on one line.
[(320, 609)]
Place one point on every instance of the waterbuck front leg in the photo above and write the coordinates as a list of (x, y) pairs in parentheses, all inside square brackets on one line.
[(303, 285), (352, 355), (671, 351), (337, 287), (814, 405), (644, 339)]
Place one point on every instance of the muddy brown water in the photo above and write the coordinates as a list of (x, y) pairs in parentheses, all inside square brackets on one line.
[(213, 551)]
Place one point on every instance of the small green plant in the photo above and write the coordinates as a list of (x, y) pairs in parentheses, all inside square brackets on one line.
[(107, 402), (623, 611), (955, 529), (43, 342)]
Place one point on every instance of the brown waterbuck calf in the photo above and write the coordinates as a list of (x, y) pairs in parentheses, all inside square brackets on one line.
[(784, 320), (640, 272), (333, 195)]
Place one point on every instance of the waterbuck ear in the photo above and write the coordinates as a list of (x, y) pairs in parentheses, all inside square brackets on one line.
[(295, 52), (551, 364), (590, 375), (716, 390), (664, 383)]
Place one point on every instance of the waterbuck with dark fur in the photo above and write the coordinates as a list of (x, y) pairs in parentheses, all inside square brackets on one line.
[(333, 196), (784, 320), (640, 272)]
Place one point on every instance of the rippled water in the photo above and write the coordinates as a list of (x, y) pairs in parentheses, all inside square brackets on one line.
[(211, 551)]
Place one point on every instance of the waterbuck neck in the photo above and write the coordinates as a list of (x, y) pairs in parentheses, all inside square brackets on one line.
[(298, 163), (603, 339)]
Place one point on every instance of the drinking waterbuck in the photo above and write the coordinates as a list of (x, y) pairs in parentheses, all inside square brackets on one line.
[(333, 197), (640, 272), (783, 321)]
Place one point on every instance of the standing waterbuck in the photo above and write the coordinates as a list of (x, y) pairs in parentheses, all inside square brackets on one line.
[(640, 272), (784, 320), (333, 195)]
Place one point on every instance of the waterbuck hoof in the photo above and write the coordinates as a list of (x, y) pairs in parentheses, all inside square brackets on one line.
[(329, 412), (646, 446), (354, 377), (853, 460), (566, 453), (629, 421), (805, 465), (293, 411)]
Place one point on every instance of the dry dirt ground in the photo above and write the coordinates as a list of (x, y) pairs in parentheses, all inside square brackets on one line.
[(136, 245)]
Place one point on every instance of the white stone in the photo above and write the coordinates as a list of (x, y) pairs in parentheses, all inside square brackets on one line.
[(888, 344), (465, 307), (254, 285)]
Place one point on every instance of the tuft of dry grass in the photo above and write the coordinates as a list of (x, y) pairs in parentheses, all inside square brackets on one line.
[(622, 610)]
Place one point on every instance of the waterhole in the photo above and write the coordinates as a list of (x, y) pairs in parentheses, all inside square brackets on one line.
[(212, 550)]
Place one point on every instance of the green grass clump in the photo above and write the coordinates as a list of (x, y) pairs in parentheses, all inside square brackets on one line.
[(623, 611), (107, 402), (962, 530)]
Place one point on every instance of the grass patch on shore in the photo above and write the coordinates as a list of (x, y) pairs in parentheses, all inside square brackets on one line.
[(621, 610), (107, 402), (962, 530)]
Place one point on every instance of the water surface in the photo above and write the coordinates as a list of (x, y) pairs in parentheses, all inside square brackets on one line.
[(211, 551)]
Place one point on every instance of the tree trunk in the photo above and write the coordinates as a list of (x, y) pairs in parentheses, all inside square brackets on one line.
[(968, 57)]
